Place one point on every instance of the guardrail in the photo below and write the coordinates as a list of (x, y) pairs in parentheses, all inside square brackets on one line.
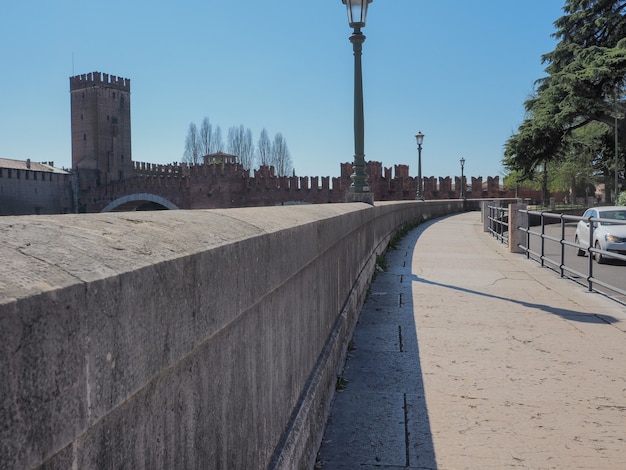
[(498, 222), (547, 221)]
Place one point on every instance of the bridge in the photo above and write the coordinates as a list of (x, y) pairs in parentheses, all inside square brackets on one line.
[(216, 339), (139, 202), (182, 339), (229, 185)]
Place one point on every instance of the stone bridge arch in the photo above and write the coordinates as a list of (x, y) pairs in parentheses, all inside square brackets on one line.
[(140, 202)]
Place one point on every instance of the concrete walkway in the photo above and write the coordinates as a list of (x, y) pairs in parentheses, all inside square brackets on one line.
[(469, 357)]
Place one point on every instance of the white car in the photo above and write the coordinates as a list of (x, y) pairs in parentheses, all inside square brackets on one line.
[(607, 235)]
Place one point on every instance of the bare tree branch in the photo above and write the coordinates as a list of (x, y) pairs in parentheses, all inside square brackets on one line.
[(281, 159), (192, 146)]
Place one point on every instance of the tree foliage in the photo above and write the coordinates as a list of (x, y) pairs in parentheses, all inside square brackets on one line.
[(281, 158), (264, 149), (585, 85), (240, 144), (208, 140), (199, 143), (192, 152)]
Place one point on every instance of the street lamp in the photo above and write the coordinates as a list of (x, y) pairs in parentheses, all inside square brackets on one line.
[(462, 181), (359, 189), (420, 139), (614, 90)]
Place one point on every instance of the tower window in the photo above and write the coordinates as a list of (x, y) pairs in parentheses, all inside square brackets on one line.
[(84, 136), (113, 95)]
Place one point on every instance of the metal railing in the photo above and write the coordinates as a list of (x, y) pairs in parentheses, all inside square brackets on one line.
[(536, 234), (498, 222)]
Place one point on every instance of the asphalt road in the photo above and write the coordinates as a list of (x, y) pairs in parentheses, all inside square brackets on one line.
[(611, 273)]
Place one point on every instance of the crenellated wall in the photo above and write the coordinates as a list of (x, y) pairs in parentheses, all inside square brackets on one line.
[(88, 80), (34, 192), (226, 185), (182, 339)]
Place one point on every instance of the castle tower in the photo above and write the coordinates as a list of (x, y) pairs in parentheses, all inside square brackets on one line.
[(101, 145)]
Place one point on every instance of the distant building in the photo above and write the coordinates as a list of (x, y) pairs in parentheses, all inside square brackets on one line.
[(101, 134), (219, 158), (27, 187)]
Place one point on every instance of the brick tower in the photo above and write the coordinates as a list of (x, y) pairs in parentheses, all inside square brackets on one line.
[(101, 145)]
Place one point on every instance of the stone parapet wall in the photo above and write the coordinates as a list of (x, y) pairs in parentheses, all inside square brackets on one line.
[(182, 339)]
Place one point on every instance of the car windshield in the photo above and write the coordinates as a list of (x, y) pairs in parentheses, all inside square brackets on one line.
[(615, 215)]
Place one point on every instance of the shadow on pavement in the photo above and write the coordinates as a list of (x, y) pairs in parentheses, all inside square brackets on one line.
[(573, 315), (380, 418)]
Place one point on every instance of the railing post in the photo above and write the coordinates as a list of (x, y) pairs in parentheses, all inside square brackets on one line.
[(590, 256), (543, 239), (485, 214), (562, 260), (517, 219)]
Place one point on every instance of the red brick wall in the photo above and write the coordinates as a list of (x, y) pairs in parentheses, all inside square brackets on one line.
[(229, 185)]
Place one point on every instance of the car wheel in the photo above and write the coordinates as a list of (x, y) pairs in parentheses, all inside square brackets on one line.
[(598, 256), (580, 251)]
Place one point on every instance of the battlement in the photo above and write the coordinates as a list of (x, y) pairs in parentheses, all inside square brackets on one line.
[(94, 79), (154, 169)]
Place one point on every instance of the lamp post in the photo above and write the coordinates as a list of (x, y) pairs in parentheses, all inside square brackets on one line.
[(614, 89), (359, 189), (462, 178), (462, 191), (462, 182), (616, 191), (420, 139)]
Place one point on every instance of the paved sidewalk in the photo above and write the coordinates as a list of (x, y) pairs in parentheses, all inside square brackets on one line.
[(469, 357)]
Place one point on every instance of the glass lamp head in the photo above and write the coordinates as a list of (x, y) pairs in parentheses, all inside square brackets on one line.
[(419, 137), (357, 12)]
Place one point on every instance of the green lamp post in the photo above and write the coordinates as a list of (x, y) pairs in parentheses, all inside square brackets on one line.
[(462, 192), (419, 137), (359, 189)]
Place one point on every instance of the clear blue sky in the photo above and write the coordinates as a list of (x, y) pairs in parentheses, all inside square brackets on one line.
[(458, 71)]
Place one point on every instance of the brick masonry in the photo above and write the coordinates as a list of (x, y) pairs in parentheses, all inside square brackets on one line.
[(104, 175)]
